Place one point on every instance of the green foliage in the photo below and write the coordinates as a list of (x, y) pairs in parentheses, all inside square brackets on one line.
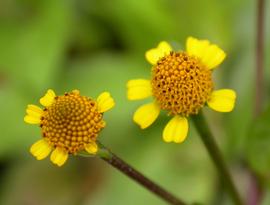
[(257, 146)]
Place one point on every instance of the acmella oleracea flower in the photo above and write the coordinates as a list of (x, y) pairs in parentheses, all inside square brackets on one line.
[(69, 123), (182, 84)]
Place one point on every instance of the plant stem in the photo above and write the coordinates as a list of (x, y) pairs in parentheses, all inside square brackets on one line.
[(212, 148), (259, 57), (255, 192), (129, 171)]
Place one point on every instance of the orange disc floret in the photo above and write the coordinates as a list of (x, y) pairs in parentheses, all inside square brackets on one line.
[(181, 84), (71, 122)]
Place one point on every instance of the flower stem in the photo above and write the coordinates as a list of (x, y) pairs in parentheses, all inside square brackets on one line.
[(105, 154), (212, 148), (259, 57), (255, 192)]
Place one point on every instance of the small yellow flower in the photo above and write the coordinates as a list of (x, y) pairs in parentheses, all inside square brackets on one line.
[(69, 124), (182, 84)]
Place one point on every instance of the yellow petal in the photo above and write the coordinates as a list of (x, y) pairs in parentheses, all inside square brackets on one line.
[(48, 98), (146, 114), (138, 89), (105, 102), (77, 92), (176, 130), (41, 149), (33, 114), (154, 54), (210, 54), (91, 148), (31, 120), (34, 111), (222, 100), (59, 156)]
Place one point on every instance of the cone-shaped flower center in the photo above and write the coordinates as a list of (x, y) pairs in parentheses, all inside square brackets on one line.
[(71, 122), (181, 84)]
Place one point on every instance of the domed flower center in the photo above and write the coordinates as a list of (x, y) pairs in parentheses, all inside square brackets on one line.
[(181, 84), (71, 122)]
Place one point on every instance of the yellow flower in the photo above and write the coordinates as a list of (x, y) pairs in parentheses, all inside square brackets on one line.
[(182, 84), (69, 124)]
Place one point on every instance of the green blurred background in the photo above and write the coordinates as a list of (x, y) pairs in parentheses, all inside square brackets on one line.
[(98, 45)]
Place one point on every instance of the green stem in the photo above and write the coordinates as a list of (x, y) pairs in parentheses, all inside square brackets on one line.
[(212, 148), (109, 157)]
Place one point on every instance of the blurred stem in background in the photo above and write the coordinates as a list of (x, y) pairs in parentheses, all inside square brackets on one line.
[(255, 192), (109, 157), (212, 148), (259, 57)]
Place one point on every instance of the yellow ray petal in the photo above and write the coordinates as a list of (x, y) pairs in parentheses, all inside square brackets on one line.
[(91, 148), (41, 149), (138, 89), (59, 156), (176, 130), (48, 98), (154, 54), (105, 102), (77, 92), (34, 111), (146, 114), (31, 119), (210, 54), (222, 100), (33, 114)]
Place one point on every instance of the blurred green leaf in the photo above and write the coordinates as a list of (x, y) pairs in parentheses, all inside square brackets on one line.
[(266, 197), (257, 146), (32, 47)]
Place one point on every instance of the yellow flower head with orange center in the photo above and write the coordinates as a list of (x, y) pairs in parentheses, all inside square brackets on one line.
[(69, 123), (182, 84)]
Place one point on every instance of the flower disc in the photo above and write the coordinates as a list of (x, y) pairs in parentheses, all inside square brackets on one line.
[(181, 84), (71, 122)]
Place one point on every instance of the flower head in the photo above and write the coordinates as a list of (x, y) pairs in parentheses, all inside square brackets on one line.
[(69, 123), (181, 84)]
